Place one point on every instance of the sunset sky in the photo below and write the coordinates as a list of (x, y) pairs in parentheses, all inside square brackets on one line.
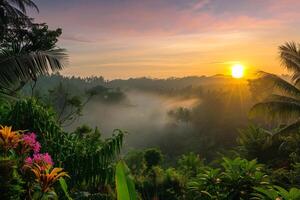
[(164, 38)]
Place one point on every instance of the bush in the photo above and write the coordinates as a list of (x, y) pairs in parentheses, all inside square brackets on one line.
[(190, 164), (256, 143), (153, 157), (11, 183), (20, 156), (235, 180), (88, 159)]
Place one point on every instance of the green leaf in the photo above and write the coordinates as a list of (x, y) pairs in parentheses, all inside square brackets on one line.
[(64, 187), (124, 183), (18, 66)]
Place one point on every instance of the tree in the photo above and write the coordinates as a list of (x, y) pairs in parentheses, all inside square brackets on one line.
[(14, 11), (27, 50), (153, 157), (190, 164), (33, 36), (284, 104), (136, 162), (67, 107)]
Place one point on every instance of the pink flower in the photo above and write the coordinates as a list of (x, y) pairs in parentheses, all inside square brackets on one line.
[(43, 160), (28, 161), (29, 140), (47, 159)]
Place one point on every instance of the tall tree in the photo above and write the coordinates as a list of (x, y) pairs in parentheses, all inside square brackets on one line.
[(12, 11), (27, 50), (284, 104)]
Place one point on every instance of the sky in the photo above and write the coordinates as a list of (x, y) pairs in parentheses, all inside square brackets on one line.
[(171, 38)]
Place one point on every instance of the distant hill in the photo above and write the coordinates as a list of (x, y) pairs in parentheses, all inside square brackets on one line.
[(170, 86), (174, 83)]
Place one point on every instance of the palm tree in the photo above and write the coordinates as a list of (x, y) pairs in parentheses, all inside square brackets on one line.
[(14, 9), (17, 64), (284, 103)]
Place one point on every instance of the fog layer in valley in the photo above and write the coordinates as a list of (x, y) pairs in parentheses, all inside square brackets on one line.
[(143, 115), (178, 115)]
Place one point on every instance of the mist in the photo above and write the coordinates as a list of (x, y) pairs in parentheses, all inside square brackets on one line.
[(177, 115), (143, 115)]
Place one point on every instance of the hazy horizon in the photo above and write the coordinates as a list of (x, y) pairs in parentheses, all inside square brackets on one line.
[(228, 75)]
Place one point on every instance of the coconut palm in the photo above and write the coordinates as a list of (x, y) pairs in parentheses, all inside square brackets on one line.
[(284, 103), (14, 9), (18, 66)]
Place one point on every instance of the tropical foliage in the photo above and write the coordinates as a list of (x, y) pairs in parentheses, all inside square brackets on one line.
[(16, 148), (283, 104), (276, 192), (124, 182), (86, 157), (25, 52), (40, 159)]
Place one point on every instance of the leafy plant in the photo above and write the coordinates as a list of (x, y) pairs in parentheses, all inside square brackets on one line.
[(258, 143), (207, 185), (190, 164), (235, 180), (283, 105), (11, 183), (47, 177), (9, 139), (17, 161), (136, 162), (240, 176), (276, 192), (64, 187), (88, 159), (124, 183)]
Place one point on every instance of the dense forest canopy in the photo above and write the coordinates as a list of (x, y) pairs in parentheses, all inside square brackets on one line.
[(198, 108)]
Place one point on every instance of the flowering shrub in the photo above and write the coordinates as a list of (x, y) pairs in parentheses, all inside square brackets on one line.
[(8, 139), (42, 160), (46, 178), (24, 149), (30, 143)]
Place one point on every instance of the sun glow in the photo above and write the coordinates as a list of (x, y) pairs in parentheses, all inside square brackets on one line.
[(237, 71)]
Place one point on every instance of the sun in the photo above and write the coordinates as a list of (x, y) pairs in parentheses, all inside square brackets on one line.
[(237, 71)]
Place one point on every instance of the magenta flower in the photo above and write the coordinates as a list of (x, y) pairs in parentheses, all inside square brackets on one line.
[(28, 161), (43, 160), (29, 140)]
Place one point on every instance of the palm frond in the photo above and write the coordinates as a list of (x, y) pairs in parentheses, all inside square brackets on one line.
[(280, 84), (22, 4), (281, 98), (291, 128), (276, 110), (296, 78), (15, 10), (9, 12), (17, 66), (290, 58)]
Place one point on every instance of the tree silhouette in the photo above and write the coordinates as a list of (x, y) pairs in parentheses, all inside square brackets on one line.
[(27, 50), (284, 104)]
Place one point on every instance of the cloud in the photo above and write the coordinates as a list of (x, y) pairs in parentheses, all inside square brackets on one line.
[(140, 34), (201, 4), (155, 19), (75, 38)]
